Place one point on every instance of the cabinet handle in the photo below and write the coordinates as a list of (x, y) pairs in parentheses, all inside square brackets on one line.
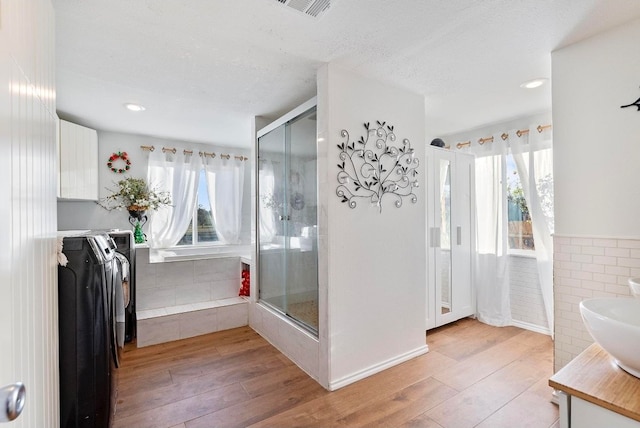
[(459, 235)]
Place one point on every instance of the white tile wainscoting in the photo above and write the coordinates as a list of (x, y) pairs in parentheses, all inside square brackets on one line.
[(176, 300), (527, 305), (587, 267)]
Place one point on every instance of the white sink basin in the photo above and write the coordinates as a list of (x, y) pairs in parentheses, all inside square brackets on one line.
[(614, 322)]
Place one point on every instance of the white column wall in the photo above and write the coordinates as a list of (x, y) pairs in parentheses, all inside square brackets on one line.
[(596, 146), (596, 158), (372, 264)]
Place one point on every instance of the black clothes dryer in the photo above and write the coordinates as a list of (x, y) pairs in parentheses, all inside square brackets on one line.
[(86, 331), (126, 246)]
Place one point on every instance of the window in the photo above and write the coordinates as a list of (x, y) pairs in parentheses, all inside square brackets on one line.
[(519, 228), (204, 231)]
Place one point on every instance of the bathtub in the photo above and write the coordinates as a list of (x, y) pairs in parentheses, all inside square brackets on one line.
[(198, 253)]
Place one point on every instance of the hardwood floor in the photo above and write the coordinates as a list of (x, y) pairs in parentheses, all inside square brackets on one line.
[(474, 375)]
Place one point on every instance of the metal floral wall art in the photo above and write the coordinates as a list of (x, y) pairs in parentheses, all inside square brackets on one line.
[(636, 103), (374, 168)]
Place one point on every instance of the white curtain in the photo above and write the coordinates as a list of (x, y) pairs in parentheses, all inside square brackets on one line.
[(266, 211), (492, 273), (225, 183), (533, 156), (177, 174)]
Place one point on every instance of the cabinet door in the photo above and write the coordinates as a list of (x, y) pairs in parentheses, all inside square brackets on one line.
[(450, 223), (78, 162), (589, 415), (443, 228), (67, 159), (432, 236), (463, 291)]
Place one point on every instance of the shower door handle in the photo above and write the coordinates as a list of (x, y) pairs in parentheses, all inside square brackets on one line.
[(284, 217)]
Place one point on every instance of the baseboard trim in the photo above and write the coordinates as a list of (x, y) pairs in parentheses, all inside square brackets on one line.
[(377, 368), (531, 327)]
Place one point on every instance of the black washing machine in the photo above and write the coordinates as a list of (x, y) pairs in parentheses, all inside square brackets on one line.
[(86, 308)]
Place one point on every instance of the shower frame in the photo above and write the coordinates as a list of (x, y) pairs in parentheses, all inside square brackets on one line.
[(283, 313)]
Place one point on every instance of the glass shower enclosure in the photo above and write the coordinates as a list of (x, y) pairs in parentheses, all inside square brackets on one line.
[(287, 212)]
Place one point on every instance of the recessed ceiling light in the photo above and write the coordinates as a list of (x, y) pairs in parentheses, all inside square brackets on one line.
[(534, 83), (134, 107)]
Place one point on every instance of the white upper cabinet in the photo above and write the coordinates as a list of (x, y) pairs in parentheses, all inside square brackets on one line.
[(78, 162)]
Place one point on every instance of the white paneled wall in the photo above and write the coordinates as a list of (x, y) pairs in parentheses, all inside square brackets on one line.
[(28, 273), (584, 268)]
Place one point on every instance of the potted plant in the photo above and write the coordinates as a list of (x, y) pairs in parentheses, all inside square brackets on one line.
[(134, 195)]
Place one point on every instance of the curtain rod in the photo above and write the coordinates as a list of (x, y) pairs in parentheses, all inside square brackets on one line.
[(504, 136), (190, 152)]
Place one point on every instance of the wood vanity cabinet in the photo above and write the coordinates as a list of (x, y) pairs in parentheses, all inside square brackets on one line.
[(594, 392), (77, 162)]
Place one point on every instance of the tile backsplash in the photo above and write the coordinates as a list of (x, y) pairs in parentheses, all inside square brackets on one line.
[(584, 268)]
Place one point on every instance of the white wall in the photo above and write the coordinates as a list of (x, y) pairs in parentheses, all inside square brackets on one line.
[(596, 147), (89, 215), (372, 264), (596, 156), (28, 266)]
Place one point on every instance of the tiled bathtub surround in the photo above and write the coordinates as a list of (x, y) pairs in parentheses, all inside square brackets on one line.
[(183, 299), (179, 322), (161, 285), (584, 268)]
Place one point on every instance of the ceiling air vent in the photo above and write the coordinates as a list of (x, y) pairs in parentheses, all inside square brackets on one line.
[(313, 8)]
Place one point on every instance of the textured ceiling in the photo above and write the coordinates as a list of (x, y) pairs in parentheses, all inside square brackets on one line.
[(203, 68)]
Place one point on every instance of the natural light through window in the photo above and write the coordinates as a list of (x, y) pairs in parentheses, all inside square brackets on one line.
[(520, 230), (204, 231)]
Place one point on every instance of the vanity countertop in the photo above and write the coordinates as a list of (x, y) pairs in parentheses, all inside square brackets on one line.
[(594, 377)]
